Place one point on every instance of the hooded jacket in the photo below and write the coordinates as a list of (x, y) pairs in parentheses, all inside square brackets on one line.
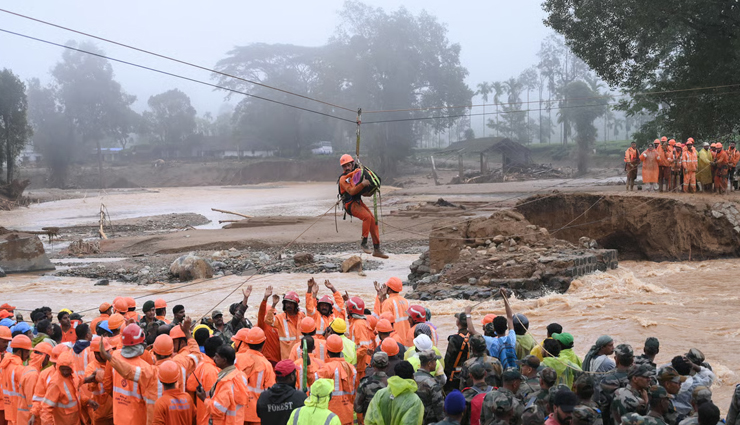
[(316, 409), (277, 402), (397, 404)]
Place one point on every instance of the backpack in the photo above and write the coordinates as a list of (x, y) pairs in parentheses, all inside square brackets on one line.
[(506, 354), (476, 406), (372, 189)]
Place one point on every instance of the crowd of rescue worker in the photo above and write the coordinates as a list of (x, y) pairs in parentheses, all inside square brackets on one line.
[(668, 166), (328, 360)]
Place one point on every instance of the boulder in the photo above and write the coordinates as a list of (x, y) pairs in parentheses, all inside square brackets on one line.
[(2, 272), (302, 258), (21, 252), (353, 263), (188, 267)]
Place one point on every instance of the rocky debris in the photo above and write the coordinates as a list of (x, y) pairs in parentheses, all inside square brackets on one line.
[(587, 243), (21, 252), (2, 272), (442, 203), (641, 227), (156, 224), (353, 263), (472, 260), (515, 173), (83, 247), (188, 267), (302, 258), (102, 282)]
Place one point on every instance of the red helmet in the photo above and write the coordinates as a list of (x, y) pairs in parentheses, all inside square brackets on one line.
[(292, 297), (356, 305), (132, 335), (326, 299), (346, 159), (417, 314)]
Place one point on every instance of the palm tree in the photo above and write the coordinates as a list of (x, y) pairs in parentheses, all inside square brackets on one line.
[(484, 89)]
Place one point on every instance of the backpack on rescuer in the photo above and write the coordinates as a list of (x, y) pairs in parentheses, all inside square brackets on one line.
[(507, 355), (357, 176)]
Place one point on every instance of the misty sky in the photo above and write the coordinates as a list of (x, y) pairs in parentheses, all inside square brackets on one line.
[(499, 39)]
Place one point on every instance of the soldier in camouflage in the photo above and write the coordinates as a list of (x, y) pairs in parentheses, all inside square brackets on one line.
[(371, 384), (652, 348), (670, 379), (584, 389), (479, 354), (614, 380), (633, 419), (530, 378), (541, 397), (533, 415), (429, 389), (498, 409), (585, 415), (480, 386), (700, 396), (634, 397), (659, 402), (512, 381)]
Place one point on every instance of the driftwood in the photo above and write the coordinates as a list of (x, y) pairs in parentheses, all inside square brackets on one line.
[(230, 212)]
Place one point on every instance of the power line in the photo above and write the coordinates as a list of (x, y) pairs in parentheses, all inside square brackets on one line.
[(182, 77), (177, 60)]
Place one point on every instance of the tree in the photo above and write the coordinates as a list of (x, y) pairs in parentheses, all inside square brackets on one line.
[(664, 48), (171, 118), (14, 128), (90, 97), (582, 107)]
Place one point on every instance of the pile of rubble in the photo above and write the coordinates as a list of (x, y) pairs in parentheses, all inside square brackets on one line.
[(472, 260), (519, 173)]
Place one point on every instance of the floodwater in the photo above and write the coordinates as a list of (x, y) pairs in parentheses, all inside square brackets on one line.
[(684, 304)]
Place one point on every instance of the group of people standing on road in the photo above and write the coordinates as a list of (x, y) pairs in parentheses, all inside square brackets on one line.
[(333, 362), (668, 166)]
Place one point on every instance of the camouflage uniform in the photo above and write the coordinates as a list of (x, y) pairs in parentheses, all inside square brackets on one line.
[(585, 415), (656, 393), (527, 387), (628, 400), (371, 384), (633, 419), (498, 403), (541, 397), (533, 415), (665, 374), (492, 364), (430, 392), (611, 382)]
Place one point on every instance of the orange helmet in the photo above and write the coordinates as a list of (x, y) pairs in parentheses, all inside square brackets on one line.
[(21, 342), (130, 302), (488, 318), (120, 305), (346, 159), (163, 345), (384, 326), (334, 344), (308, 325), (390, 346), (395, 284), (58, 350), (169, 372), (66, 359), (417, 314), (389, 317), (663, 139), (95, 344), (241, 335), (719, 145), (292, 297), (372, 321), (690, 140), (160, 303), (256, 336), (104, 307), (132, 335), (115, 321), (672, 142), (5, 333), (177, 332), (43, 348), (356, 305)]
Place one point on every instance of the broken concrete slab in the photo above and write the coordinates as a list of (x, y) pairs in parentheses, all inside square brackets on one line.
[(21, 252)]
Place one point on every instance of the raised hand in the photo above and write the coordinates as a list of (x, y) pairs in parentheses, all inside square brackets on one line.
[(330, 286), (247, 292), (268, 292), (275, 300)]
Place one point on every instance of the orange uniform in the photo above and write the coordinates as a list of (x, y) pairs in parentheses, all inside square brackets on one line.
[(630, 155), (356, 208), (271, 349), (313, 372), (94, 322), (343, 397), (174, 407), (12, 370), (690, 164), (61, 405), (134, 390), (287, 327), (69, 335), (40, 390), (721, 163), (733, 156), (322, 322), (99, 392), (27, 386), (360, 333), (207, 373), (650, 166), (397, 306), (260, 376), (319, 350), (228, 397)]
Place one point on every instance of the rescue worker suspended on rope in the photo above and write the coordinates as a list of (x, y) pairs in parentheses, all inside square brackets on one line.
[(354, 183)]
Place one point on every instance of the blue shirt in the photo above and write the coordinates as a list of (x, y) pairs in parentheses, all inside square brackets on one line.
[(494, 344)]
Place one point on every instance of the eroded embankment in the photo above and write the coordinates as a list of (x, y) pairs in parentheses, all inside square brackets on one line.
[(659, 228)]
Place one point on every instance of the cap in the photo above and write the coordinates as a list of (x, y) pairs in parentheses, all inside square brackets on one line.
[(511, 374), (533, 414), (7, 322), (669, 373), (695, 356), (423, 343), (566, 400), (633, 418), (564, 338), (500, 402), (103, 324), (656, 391), (549, 375), (428, 356), (423, 328), (216, 313), (284, 368), (389, 346), (338, 325), (584, 415), (380, 360), (104, 307), (76, 316), (21, 327), (624, 350), (488, 318), (115, 321), (477, 370), (640, 370), (531, 361), (477, 343), (462, 317), (700, 394), (455, 403), (652, 342), (168, 372), (148, 305)]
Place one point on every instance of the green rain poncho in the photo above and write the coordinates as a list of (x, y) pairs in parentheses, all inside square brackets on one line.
[(396, 405), (316, 409)]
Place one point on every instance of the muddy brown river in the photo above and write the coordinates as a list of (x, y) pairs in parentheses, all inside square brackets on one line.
[(684, 304)]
